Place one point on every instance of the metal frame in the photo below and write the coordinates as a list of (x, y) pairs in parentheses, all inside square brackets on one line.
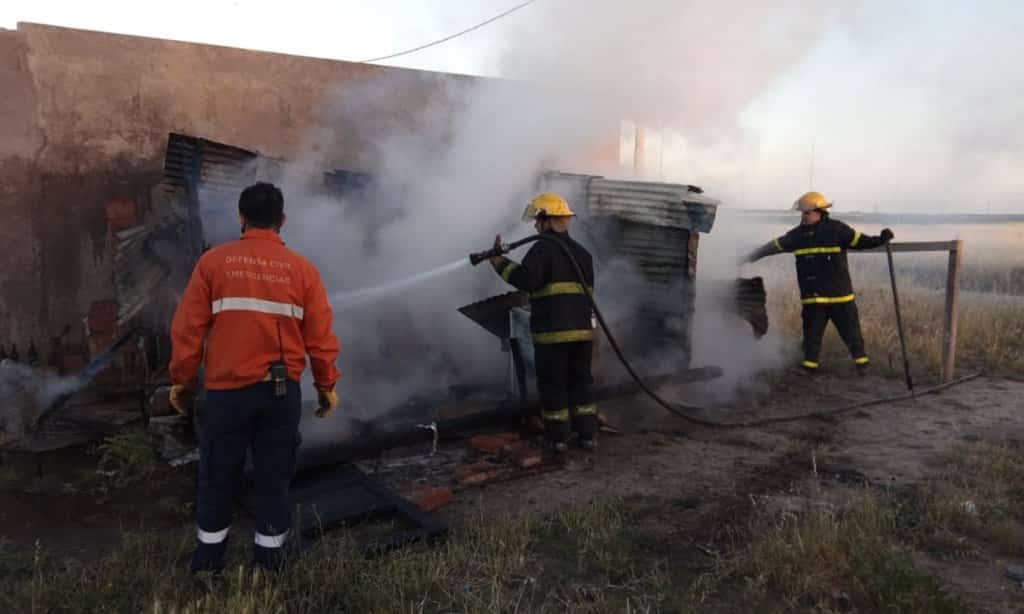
[(955, 249)]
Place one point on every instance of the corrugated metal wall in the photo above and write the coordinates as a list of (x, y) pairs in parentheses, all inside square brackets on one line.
[(655, 228)]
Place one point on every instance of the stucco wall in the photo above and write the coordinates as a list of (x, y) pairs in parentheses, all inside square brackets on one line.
[(84, 120)]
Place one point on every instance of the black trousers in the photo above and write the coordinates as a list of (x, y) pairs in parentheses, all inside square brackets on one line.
[(566, 389), (847, 322), (232, 422)]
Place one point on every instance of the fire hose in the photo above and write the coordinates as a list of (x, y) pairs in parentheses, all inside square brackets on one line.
[(683, 410)]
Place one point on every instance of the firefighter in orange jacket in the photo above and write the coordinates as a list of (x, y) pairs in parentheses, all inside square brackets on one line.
[(252, 311)]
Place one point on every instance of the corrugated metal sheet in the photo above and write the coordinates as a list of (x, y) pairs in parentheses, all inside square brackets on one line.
[(214, 165), (656, 204)]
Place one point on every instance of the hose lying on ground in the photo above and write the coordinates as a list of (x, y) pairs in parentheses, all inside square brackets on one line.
[(681, 409)]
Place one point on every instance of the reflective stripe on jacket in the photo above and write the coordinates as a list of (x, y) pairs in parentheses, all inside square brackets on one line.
[(821, 266), (559, 309), (240, 295)]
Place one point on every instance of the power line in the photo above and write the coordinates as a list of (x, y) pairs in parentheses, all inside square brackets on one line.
[(450, 37)]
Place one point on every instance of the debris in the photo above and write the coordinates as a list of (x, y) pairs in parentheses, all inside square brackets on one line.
[(524, 455), (970, 507), (707, 551), (477, 473), (431, 427), (1015, 572), (606, 426), (842, 473), (432, 499), (493, 444)]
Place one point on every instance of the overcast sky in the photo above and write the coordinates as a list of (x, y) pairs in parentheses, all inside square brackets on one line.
[(911, 104)]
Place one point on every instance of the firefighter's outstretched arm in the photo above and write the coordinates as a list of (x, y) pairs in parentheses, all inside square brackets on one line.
[(768, 249)]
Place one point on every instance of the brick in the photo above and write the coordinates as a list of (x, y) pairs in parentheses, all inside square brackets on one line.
[(492, 444), (432, 499), (526, 456), (478, 473)]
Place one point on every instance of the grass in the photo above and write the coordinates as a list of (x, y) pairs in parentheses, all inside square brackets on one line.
[(583, 560), (990, 329), (990, 477), (609, 556), (129, 456), (991, 333), (829, 561)]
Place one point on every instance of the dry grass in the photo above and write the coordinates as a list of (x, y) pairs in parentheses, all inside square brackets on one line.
[(827, 561), (583, 560), (990, 337), (991, 331), (975, 505)]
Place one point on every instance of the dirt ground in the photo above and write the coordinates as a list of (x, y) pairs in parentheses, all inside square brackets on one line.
[(696, 478)]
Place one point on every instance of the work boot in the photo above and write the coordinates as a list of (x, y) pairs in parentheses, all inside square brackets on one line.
[(209, 558), (805, 370)]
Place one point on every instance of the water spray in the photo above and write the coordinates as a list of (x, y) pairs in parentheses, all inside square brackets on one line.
[(350, 298)]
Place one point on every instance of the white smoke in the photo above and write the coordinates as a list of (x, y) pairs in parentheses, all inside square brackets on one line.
[(26, 392), (459, 172)]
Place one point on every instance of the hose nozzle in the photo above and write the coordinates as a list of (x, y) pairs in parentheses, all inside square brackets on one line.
[(479, 257)]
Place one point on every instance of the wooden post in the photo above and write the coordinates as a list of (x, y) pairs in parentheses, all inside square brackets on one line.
[(952, 311)]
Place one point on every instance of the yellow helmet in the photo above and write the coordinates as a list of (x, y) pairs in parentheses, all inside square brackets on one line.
[(811, 201), (547, 204)]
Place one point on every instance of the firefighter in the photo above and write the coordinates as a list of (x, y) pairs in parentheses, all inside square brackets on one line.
[(560, 322), (253, 309), (820, 244)]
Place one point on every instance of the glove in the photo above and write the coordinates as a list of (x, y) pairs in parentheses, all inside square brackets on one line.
[(328, 399), (886, 235), (497, 261), (181, 398)]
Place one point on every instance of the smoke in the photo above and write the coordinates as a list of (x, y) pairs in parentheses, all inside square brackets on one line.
[(26, 392), (721, 336), (453, 169), (690, 66)]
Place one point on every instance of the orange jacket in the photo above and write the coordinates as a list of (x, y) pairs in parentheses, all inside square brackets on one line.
[(239, 296)]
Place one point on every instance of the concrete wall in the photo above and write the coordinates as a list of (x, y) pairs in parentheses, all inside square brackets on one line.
[(84, 118)]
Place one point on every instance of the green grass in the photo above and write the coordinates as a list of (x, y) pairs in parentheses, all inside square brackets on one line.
[(129, 456)]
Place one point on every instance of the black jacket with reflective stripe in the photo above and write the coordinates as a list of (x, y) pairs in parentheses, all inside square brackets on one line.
[(821, 267), (557, 301)]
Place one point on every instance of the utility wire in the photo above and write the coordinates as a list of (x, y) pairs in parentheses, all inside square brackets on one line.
[(450, 37)]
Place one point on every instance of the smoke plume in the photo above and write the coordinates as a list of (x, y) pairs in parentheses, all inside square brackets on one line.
[(447, 183)]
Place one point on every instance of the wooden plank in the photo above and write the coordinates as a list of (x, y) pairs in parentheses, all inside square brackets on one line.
[(912, 246), (952, 314)]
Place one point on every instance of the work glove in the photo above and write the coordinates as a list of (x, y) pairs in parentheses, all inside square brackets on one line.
[(497, 261), (181, 398), (886, 235), (328, 399)]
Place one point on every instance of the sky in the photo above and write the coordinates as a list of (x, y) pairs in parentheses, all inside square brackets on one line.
[(909, 105)]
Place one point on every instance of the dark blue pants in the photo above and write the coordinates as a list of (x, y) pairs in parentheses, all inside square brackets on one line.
[(232, 422)]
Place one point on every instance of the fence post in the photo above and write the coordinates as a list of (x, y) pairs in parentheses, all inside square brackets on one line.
[(952, 311)]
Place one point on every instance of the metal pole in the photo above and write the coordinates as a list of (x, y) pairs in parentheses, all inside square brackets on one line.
[(899, 321)]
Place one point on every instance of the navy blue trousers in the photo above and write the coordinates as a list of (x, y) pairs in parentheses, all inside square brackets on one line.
[(233, 421)]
